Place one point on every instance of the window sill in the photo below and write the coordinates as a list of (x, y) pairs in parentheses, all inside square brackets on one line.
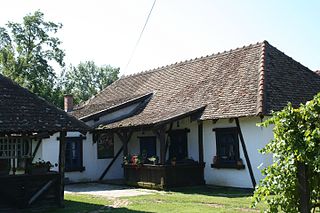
[(81, 169), (104, 158), (227, 166)]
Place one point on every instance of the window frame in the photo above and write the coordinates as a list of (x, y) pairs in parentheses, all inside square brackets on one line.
[(79, 140), (226, 163), (178, 131), (154, 138), (99, 157)]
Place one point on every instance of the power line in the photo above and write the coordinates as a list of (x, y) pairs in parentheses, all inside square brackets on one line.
[(141, 33)]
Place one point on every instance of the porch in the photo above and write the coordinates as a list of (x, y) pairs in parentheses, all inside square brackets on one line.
[(166, 155)]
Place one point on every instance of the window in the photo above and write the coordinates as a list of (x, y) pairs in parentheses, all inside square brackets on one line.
[(14, 152), (227, 143), (105, 145), (15, 147), (74, 154), (178, 144), (148, 146)]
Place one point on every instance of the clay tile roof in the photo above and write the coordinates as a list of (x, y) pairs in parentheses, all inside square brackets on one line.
[(248, 81), (23, 112)]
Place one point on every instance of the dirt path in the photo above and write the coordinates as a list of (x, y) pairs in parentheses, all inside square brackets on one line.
[(106, 190)]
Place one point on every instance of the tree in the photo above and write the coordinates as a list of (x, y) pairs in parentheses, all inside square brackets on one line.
[(296, 142), (87, 79), (26, 51)]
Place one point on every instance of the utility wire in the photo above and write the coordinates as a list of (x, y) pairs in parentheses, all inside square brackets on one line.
[(138, 41)]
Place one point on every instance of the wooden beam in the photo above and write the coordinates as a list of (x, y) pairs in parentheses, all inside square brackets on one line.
[(125, 136), (161, 135), (162, 147), (40, 192), (200, 141), (62, 162), (167, 140), (245, 153), (36, 150), (111, 163)]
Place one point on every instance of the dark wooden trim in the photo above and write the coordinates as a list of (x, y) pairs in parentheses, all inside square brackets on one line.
[(172, 130), (227, 166), (76, 169), (225, 129), (125, 138), (62, 161), (245, 153), (110, 164), (81, 137), (161, 135), (200, 141), (167, 140)]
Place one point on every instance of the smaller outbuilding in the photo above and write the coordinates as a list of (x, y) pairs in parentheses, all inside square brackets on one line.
[(25, 119)]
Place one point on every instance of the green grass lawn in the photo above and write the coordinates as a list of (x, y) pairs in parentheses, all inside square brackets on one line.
[(191, 199)]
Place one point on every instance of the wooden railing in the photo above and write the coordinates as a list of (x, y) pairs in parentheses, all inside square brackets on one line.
[(22, 191), (164, 176)]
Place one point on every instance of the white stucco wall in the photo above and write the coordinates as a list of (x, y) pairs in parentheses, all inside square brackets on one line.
[(49, 151), (255, 139)]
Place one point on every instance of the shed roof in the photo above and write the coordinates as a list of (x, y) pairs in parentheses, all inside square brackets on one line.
[(23, 112), (248, 81)]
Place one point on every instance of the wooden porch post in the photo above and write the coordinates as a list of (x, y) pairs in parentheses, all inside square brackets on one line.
[(161, 135), (200, 141), (162, 138), (62, 161)]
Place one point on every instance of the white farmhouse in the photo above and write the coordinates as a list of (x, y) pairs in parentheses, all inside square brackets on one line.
[(196, 118)]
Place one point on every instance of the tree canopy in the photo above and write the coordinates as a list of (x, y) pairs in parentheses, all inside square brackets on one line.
[(87, 79), (27, 51), (296, 141)]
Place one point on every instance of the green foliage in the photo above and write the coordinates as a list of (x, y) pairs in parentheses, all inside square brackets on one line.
[(87, 79), (26, 51), (296, 140)]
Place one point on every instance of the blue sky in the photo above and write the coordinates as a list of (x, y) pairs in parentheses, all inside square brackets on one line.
[(106, 31)]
